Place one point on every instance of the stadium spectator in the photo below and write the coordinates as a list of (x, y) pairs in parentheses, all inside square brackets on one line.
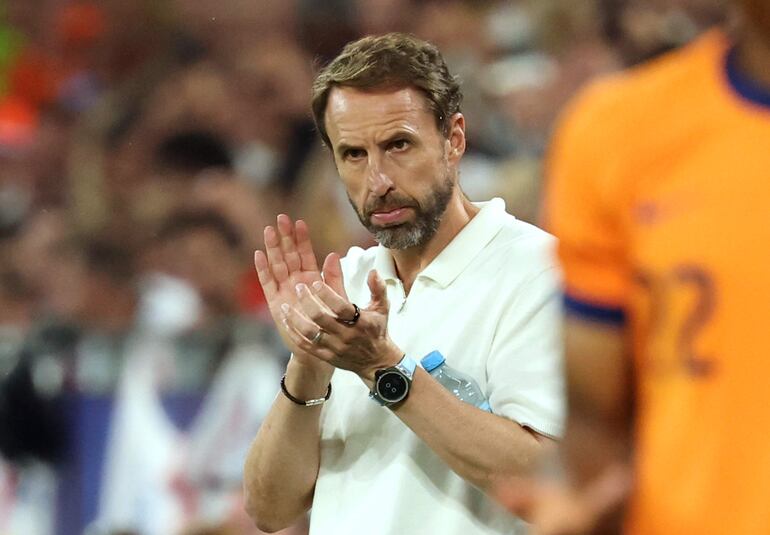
[(186, 412), (56, 401)]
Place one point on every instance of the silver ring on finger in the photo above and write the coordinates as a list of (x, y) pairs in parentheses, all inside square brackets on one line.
[(317, 337)]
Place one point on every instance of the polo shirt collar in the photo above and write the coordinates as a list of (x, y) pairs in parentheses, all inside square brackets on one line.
[(459, 253)]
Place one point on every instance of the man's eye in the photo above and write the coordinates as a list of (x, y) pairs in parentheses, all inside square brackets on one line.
[(354, 154), (399, 144)]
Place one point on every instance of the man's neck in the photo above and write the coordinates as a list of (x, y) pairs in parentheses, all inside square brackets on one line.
[(410, 262)]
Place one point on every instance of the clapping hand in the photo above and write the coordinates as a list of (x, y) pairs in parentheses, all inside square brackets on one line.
[(323, 323), (288, 261)]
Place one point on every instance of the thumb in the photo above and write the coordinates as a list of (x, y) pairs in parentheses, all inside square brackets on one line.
[(379, 292), (332, 274)]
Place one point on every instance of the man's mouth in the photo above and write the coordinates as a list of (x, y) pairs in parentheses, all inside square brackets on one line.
[(390, 216)]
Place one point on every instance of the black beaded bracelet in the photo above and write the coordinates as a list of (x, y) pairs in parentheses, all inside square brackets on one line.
[(308, 403), (356, 315)]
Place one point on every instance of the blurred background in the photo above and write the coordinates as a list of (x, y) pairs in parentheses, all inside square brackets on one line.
[(144, 144)]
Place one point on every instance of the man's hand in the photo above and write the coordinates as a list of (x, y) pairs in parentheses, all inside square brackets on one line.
[(289, 260), (555, 508), (362, 347)]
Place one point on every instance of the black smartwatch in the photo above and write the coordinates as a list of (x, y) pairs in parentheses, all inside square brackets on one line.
[(391, 385)]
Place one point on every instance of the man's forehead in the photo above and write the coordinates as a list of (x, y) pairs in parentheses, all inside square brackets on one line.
[(353, 111), (345, 100)]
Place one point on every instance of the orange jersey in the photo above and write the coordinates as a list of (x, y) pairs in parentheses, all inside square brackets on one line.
[(659, 191)]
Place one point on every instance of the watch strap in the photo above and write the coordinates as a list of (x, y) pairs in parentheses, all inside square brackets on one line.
[(407, 366)]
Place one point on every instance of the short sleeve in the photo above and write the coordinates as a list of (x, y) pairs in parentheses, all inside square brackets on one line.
[(525, 370), (583, 206)]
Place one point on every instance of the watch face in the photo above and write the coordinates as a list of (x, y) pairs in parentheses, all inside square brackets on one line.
[(392, 386)]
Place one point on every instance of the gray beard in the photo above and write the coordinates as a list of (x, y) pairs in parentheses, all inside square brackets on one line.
[(418, 232)]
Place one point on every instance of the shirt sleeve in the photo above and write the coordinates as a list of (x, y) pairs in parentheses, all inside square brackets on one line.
[(525, 368), (583, 206)]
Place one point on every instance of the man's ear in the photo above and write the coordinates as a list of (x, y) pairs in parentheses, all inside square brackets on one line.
[(456, 138)]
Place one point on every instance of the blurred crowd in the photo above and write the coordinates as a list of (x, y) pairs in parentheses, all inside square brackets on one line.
[(143, 147)]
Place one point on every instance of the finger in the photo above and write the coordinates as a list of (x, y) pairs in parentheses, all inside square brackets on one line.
[(295, 319), (307, 257), (300, 343), (379, 293), (332, 274), (288, 243), (275, 258), (316, 311), (266, 279), (342, 308)]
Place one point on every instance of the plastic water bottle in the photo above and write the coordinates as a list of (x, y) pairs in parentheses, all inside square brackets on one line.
[(463, 386)]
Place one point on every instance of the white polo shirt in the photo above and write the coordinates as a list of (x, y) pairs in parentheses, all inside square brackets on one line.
[(490, 303)]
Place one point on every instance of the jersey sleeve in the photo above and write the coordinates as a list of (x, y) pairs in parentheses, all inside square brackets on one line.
[(583, 206)]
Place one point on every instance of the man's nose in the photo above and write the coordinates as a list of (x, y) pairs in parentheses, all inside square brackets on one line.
[(377, 179)]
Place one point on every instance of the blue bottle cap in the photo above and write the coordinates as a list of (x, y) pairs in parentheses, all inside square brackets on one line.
[(432, 360)]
